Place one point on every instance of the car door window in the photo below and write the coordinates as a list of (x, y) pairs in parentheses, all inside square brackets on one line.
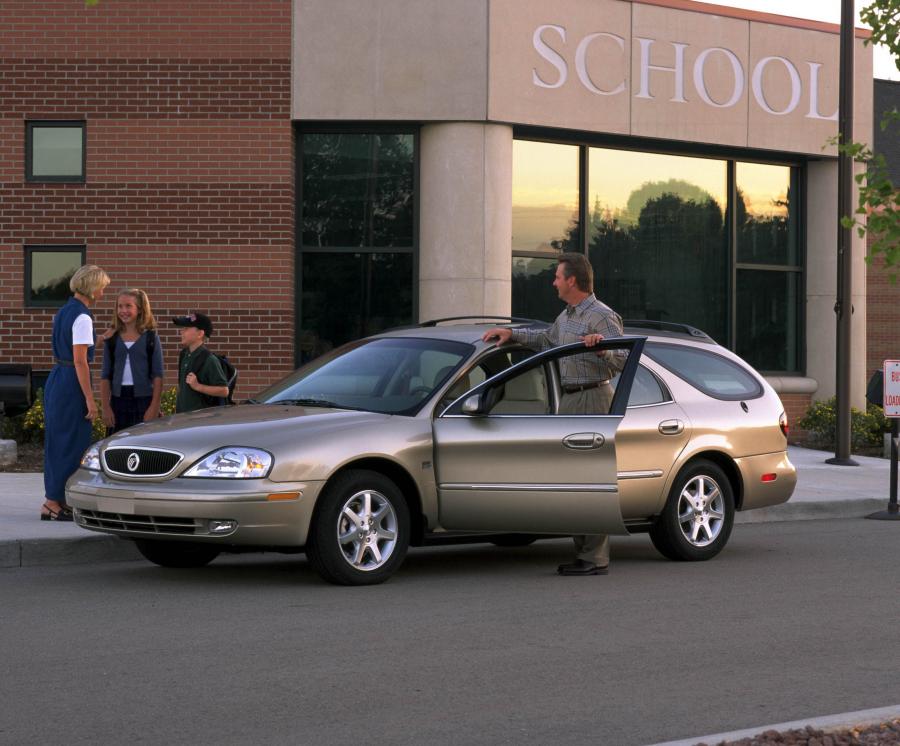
[(646, 390), (488, 366), (525, 394)]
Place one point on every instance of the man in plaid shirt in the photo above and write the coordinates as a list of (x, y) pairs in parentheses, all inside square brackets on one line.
[(585, 377)]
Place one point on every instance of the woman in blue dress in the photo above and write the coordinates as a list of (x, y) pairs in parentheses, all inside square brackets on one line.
[(69, 406)]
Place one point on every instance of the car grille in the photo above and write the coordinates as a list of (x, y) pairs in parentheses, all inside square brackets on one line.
[(149, 462), (146, 524)]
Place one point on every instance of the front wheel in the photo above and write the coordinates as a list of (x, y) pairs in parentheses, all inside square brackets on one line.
[(699, 514), (360, 532), (177, 553)]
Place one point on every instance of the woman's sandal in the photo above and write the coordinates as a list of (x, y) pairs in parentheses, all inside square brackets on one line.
[(65, 514)]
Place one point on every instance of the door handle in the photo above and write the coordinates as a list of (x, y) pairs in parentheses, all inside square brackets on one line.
[(671, 427), (584, 441)]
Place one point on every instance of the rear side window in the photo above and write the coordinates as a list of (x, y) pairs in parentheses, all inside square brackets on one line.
[(714, 375)]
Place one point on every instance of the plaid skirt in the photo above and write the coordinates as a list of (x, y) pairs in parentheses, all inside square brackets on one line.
[(128, 409)]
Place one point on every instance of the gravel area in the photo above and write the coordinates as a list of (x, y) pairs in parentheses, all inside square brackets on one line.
[(883, 734)]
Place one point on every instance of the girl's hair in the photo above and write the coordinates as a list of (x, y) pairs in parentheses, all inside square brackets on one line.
[(145, 321), (88, 279)]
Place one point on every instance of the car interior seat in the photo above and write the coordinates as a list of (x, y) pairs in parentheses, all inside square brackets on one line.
[(524, 394)]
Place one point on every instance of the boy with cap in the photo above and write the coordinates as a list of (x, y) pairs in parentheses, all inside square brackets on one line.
[(200, 376)]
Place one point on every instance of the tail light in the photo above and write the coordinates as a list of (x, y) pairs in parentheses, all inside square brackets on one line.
[(783, 424)]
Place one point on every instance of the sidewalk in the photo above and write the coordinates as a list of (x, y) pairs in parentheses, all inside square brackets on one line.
[(823, 491)]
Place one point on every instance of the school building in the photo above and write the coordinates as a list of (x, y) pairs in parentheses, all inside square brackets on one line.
[(310, 171)]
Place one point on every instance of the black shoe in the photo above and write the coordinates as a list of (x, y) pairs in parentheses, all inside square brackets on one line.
[(582, 567), (64, 514)]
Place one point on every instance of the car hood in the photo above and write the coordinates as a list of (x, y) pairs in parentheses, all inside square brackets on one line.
[(268, 426)]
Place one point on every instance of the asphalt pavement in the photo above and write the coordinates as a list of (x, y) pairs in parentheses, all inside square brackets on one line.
[(471, 644), (823, 491)]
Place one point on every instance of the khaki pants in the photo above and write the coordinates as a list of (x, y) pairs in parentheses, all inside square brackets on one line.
[(590, 547)]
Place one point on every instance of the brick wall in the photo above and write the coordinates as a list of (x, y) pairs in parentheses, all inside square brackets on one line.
[(882, 316), (795, 406), (189, 190)]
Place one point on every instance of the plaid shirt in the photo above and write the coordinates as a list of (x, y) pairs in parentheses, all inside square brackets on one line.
[(588, 317)]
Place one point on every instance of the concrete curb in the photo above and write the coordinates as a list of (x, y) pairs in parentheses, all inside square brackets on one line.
[(66, 551), (861, 718), (811, 511), (91, 548)]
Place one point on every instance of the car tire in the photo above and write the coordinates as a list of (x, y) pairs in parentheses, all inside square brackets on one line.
[(698, 516), (514, 540), (177, 553), (360, 530)]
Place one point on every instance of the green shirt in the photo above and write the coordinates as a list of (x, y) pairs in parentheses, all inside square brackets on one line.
[(211, 374)]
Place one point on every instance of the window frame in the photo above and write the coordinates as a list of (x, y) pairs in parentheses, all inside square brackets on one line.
[(30, 250), (30, 125)]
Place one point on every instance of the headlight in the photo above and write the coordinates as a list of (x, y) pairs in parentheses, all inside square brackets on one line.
[(91, 459), (233, 463)]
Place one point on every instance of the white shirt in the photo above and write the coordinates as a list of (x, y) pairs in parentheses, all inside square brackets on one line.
[(83, 330), (127, 377)]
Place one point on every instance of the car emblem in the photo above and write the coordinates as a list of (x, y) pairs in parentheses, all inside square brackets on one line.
[(133, 461)]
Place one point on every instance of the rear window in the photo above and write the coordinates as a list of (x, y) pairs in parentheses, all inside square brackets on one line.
[(713, 374)]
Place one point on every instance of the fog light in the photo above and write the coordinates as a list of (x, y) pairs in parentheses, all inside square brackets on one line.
[(222, 527)]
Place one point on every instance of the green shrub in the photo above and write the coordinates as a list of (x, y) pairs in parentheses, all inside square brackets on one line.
[(31, 424), (866, 428), (167, 401)]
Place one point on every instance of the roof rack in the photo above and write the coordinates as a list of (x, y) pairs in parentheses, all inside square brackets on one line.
[(666, 326), (487, 317)]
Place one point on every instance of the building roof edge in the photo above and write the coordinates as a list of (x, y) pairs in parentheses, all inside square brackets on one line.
[(754, 15)]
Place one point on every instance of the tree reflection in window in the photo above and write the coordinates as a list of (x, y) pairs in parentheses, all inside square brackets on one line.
[(357, 190)]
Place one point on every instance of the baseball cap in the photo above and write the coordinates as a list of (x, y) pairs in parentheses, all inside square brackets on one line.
[(199, 320)]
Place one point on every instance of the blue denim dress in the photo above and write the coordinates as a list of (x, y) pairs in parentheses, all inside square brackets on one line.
[(67, 434)]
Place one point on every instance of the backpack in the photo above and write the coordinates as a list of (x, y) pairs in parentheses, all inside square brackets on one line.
[(109, 348), (228, 369)]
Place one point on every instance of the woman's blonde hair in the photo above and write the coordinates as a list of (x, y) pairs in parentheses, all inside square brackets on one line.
[(145, 320), (87, 280)]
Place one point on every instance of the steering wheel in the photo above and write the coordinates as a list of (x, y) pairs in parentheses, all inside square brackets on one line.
[(420, 391)]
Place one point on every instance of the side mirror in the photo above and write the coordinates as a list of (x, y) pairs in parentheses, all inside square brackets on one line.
[(472, 405)]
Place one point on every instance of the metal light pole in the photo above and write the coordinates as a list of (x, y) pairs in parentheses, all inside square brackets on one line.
[(843, 307)]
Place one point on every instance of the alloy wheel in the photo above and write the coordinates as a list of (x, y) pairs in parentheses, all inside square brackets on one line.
[(701, 510), (367, 530)]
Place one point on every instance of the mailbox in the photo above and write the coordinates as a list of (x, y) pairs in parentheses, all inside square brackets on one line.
[(15, 387)]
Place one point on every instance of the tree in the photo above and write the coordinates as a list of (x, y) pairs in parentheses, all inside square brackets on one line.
[(879, 198)]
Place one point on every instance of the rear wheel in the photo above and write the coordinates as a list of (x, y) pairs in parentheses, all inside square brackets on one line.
[(177, 553), (699, 514), (361, 528)]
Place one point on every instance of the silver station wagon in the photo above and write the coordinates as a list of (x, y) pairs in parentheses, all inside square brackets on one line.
[(424, 433)]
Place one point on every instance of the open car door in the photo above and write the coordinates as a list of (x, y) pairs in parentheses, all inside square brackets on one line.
[(511, 455)]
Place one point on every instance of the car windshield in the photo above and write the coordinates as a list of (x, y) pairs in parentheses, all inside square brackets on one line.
[(388, 375)]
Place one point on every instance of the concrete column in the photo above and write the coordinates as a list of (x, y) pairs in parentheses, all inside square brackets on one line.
[(821, 288), (465, 220)]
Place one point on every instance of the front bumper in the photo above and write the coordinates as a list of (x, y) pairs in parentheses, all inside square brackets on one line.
[(265, 514), (759, 494)]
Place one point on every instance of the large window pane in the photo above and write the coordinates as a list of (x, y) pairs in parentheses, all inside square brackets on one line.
[(545, 197), (357, 190), (766, 220), (768, 319), (348, 296), (57, 151), (657, 238), (533, 294), (48, 273)]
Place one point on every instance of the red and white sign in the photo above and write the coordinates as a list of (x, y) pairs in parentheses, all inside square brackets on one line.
[(892, 388)]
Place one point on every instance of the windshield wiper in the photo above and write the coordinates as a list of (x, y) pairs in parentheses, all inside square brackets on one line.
[(311, 403)]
